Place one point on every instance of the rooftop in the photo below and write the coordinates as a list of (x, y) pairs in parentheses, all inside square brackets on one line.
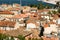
[(7, 24), (6, 12)]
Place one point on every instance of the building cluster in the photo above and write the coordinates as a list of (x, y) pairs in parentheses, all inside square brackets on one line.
[(12, 17)]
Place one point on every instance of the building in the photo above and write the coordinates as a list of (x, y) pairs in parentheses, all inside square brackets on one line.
[(6, 14), (8, 25), (26, 9)]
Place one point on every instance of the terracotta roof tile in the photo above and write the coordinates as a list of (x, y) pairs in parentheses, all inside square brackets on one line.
[(55, 16), (2, 31), (19, 31), (44, 10), (7, 23), (34, 16), (18, 5), (20, 16), (13, 9), (51, 22), (5, 12)]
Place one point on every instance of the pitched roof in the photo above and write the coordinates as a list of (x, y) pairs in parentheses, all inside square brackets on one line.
[(20, 16), (44, 10), (13, 9), (2, 31), (17, 5), (19, 31), (51, 22), (7, 24), (6, 12)]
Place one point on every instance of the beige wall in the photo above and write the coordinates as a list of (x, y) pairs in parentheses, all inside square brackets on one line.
[(3, 15)]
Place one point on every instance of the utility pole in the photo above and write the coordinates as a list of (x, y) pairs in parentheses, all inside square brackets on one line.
[(21, 6), (20, 3)]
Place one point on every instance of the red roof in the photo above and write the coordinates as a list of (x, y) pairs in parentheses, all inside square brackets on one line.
[(20, 16), (7, 23), (44, 10), (5, 12), (13, 9)]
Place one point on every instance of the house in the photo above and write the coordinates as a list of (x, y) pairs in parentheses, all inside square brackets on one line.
[(16, 5), (7, 25), (50, 38), (34, 16), (58, 21), (33, 9), (32, 24), (19, 31), (14, 10), (20, 18), (51, 28), (44, 13), (26, 9), (4, 6), (6, 13)]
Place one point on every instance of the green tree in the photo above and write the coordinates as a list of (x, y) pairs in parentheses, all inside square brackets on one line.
[(21, 37), (33, 5), (41, 38), (54, 12), (59, 10), (40, 6), (33, 39), (7, 38), (3, 36), (12, 38), (29, 39), (49, 13), (57, 4)]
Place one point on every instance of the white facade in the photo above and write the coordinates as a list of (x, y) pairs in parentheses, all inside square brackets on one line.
[(30, 26), (58, 21), (15, 12), (52, 28), (10, 28)]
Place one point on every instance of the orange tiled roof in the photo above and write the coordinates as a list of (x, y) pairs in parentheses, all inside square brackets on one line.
[(20, 16), (7, 23), (13, 9), (34, 16), (51, 22), (18, 5), (44, 10), (2, 31), (55, 16), (5, 12)]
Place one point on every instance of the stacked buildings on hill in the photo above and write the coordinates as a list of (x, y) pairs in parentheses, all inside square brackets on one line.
[(12, 19)]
